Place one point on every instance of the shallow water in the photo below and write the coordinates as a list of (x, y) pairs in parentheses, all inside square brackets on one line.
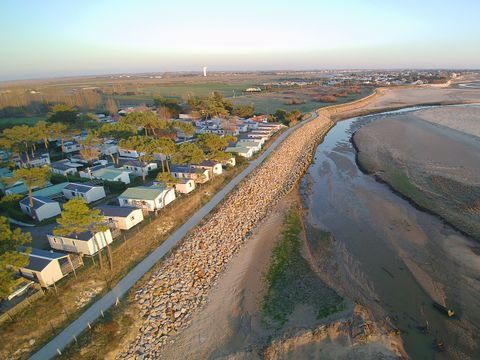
[(406, 256)]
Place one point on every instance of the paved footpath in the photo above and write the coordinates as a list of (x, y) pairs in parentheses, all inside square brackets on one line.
[(88, 317)]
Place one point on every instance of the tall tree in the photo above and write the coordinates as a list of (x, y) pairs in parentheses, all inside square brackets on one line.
[(19, 139), (89, 146), (10, 257), (64, 114), (186, 128), (188, 153), (212, 142), (166, 147), (244, 111), (167, 179), (212, 105), (32, 177), (146, 120), (172, 105), (120, 130), (111, 106), (143, 145), (76, 218), (43, 132), (59, 131)]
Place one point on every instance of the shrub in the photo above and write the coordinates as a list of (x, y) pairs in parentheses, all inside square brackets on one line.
[(326, 99)]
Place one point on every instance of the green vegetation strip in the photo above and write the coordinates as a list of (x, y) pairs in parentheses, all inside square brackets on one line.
[(290, 281)]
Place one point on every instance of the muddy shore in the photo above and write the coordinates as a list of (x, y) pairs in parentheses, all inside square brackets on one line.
[(435, 163)]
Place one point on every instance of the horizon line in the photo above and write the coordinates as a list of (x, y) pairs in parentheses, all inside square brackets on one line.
[(200, 72)]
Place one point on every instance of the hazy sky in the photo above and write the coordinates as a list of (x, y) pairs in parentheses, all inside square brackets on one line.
[(62, 37)]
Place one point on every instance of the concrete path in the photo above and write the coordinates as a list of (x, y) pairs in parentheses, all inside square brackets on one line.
[(58, 343)]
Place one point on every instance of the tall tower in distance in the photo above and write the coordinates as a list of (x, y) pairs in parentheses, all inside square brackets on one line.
[(205, 71)]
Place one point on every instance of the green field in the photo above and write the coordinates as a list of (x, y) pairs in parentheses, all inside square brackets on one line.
[(270, 102), (9, 122)]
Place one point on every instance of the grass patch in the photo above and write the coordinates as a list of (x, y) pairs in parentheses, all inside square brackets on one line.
[(105, 336), (290, 281), (6, 123), (329, 310), (401, 183)]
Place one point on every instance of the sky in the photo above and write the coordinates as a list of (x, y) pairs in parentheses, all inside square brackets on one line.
[(52, 38)]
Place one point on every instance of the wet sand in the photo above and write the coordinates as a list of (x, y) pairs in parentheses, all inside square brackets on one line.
[(435, 166), (465, 119), (390, 256)]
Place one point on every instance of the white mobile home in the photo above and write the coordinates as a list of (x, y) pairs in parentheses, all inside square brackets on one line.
[(139, 168), (184, 186), (254, 145), (121, 217), (65, 167), (43, 208), (88, 192), (199, 175), (213, 167), (149, 198), (47, 267), (129, 154), (84, 243), (246, 152), (70, 147), (35, 160), (112, 174)]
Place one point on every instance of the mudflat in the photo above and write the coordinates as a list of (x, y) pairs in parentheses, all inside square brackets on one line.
[(431, 157)]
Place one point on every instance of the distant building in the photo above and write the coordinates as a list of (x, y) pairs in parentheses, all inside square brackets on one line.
[(129, 154), (253, 89), (260, 118)]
